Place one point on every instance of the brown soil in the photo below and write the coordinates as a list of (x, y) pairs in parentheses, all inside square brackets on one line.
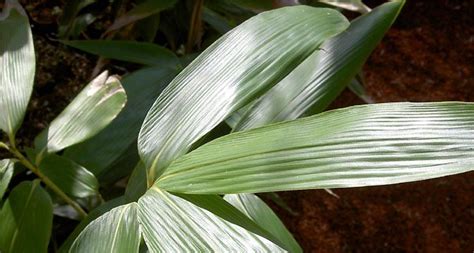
[(428, 55)]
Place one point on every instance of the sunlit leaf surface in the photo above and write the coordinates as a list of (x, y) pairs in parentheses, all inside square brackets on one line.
[(100, 153), (17, 66), (258, 211), (92, 110), (6, 172), (316, 82), (229, 74), (116, 231), (365, 145), (172, 224)]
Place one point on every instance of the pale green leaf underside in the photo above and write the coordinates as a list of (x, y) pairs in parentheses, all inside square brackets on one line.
[(116, 231), (365, 145), (101, 151), (241, 65), (6, 172), (258, 211), (316, 82), (17, 66), (26, 219), (130, 51), (70, 177), (92, 110), (172, 224)]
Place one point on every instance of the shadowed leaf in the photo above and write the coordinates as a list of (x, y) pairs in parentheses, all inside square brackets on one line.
[(26, 219)]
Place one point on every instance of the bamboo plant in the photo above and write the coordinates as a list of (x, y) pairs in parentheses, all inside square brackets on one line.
[(270, 80)]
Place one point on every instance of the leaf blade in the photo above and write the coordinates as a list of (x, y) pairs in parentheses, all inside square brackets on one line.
[(99, 153), (6, 173), (94, 214), (19, 224), (70, 177), (365, 145), (92, 110), (258, 53), (17, 66), (186, 227), (258, 211), (315, 83), (130, 51), (115, 231)]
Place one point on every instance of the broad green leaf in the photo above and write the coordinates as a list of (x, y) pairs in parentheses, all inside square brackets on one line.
[(6, 172), (99, 153), (141, 11), (316, 82), (70, 177), (17, 66), (172, 224), (130, 51), (92, 110), (116, 231), (375, 144), (352, 5), (97, 212), (258, 211), (225, 210), (233, 71), (26, 219)]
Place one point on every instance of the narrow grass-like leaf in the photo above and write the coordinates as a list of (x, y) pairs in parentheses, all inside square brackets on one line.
[(69, 176), (116, 231), (100, 152), (375, 144), (233, 71), (172, 224), (26, 219), (144, 9), (6, 172), (316, 82), (130, 51), (258, 211), (92, 110), (97, 212), (17, 66)]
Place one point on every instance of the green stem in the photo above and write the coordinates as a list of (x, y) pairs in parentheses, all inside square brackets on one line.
[(3, 145), (47, 181)]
